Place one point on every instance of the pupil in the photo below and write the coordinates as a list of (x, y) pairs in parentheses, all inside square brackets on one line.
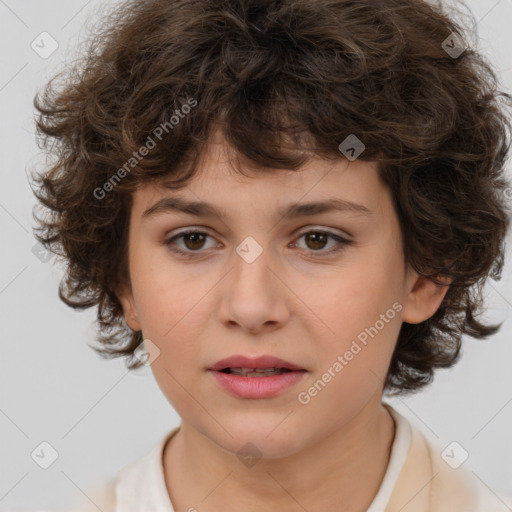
[(190, 236), (323, 236)]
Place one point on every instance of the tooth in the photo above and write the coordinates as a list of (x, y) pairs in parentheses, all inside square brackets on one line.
[(260, 372), (238, 369)]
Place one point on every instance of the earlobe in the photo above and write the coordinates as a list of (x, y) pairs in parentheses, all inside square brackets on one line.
[(129, 309), (424, 298)]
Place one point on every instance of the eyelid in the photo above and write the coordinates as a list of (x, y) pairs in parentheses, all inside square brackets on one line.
[(301, 231), (324, 229)]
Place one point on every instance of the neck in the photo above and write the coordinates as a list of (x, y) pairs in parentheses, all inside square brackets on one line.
[(343, 471)]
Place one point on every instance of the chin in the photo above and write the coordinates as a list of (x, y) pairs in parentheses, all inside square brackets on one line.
[(261, 439)]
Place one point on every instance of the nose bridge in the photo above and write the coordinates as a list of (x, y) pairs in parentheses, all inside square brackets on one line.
[(254, 295), (253, 264)]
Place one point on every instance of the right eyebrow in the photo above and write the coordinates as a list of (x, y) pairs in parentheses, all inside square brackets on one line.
[(176, 204)]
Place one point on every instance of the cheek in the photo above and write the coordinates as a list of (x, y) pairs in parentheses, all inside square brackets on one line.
[(173, 318), (167, 298), (355, 297), (360, 305), (353, 362)]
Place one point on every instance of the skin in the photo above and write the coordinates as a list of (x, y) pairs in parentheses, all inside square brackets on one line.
[(295, 301)]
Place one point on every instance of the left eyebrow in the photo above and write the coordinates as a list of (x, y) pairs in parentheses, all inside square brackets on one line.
[(202, 209)]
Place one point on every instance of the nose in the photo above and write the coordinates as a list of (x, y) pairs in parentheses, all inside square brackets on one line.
[(255, 297)]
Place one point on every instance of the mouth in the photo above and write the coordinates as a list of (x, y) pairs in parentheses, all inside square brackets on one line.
[(256, 372), (256, 383), (256, 378), (250, 366)]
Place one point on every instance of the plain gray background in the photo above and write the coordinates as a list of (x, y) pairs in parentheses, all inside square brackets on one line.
[(93, 412)]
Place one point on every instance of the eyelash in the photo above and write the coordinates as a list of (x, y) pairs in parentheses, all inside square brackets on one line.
[(342, 243)]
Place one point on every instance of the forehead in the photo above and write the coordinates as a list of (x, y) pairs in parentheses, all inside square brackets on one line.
[(219, 182)]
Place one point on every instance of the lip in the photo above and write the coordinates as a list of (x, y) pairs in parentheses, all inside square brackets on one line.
[(265, 361), (257, 387)]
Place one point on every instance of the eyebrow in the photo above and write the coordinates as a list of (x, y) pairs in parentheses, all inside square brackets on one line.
[(202, 209)]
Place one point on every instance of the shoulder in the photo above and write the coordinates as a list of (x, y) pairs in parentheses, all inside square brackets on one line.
[(436, 478), (452, 481), (139, 485)]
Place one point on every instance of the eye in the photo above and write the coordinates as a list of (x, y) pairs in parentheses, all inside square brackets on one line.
[(315, 240), (194, 240)]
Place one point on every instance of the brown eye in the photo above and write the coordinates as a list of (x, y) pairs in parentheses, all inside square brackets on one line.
[(316, 241), (192, 242), (196, 240)]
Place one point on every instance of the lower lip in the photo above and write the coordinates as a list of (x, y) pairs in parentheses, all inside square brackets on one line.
[(257, 387)]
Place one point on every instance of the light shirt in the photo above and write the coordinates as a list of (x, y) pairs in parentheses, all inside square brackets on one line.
[(417, 479)]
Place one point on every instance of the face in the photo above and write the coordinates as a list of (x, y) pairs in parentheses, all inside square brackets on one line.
[(326, 291)]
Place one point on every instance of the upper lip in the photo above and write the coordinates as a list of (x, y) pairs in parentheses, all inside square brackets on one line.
[(265, 361)]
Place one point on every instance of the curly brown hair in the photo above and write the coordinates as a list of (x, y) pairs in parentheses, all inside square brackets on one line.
[(312, 72)]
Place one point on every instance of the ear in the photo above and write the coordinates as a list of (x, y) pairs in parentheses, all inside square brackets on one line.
[(130, 312), (424, 297)]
